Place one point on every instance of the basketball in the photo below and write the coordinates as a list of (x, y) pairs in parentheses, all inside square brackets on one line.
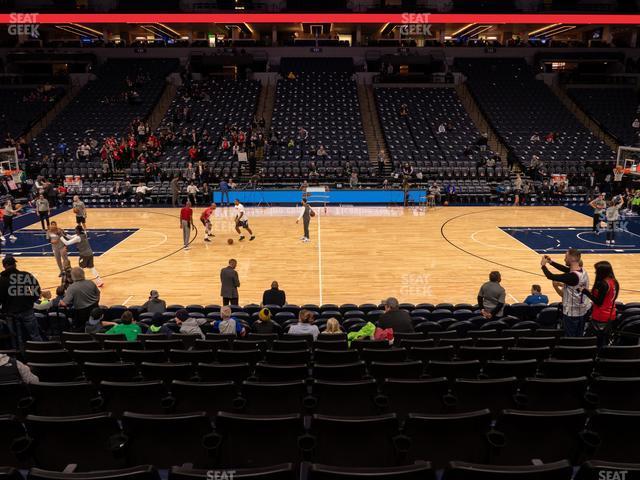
[(230, 241), (445, 203)]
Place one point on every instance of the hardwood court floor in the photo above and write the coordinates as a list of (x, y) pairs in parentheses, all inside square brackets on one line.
[(356, 254)]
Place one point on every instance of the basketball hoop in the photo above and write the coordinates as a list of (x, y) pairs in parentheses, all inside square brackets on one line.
[(627, 161), (9, 164)]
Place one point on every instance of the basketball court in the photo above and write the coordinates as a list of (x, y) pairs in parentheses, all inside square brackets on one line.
[(356, 254)]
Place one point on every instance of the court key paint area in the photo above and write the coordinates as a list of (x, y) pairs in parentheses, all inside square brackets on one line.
[(34, 243), (559, 239)]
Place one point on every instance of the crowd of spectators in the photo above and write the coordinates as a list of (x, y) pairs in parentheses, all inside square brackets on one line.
[(587, 309), (144, 151)]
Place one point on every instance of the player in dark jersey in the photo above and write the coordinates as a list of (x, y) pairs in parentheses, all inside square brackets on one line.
[(205, 218), (85, 252)]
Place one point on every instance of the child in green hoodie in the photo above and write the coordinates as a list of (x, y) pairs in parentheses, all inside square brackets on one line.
[(128, 327)]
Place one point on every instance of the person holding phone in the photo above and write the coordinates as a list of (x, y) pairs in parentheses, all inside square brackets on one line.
[(575, 304)]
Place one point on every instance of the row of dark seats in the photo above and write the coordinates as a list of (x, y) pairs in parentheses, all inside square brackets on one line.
[(420, 470), (460, 356), (381, 350), (506, 338), (516, 437), (252, 352), (299, 350), (354, 398), (239, 366), (510, 339)]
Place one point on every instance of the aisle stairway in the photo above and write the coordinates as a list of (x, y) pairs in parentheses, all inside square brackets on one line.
[(480, 121), (372, 129)]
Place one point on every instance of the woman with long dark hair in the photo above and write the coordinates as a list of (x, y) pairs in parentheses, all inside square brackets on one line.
[(603, 295)]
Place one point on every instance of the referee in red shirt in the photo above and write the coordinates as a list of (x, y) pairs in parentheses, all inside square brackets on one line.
[(186, 223)]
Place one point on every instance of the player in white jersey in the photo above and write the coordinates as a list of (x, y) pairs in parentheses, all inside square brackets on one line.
[(242, 221), (612, 215), (575, 304), (618, 175)]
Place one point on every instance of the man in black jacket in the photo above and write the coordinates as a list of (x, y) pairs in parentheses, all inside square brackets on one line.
[(393, 317), (274, 296), (18, 292)]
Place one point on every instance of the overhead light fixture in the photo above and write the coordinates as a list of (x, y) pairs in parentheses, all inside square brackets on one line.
[(71, 28), (540, 30), (161, 30), (243, 27), (558, 30), (169, 29), (471, 30), (477, 30), (149, 29), (458, 32), (88, 29)]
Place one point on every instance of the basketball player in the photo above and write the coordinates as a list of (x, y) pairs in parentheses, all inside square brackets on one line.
[(599, 205), (242, 221), (186, 223), (9, 214), (618, 174), (305, 215), (59, 249), (84, 251), (2, 239), (612, 214), (205, 218), (80, 209), (517, 189)]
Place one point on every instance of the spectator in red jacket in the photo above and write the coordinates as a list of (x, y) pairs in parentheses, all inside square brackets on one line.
[(193, 152), (603, 295)]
